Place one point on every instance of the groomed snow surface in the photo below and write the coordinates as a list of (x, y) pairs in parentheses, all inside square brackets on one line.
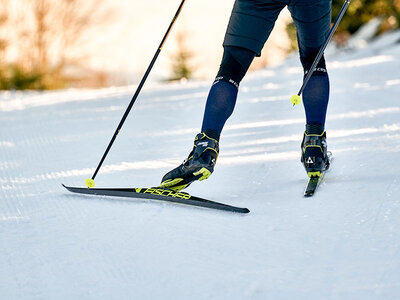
[(344, 243)]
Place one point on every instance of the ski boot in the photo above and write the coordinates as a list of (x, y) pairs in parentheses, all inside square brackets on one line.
[(314, 154), (198, 166)]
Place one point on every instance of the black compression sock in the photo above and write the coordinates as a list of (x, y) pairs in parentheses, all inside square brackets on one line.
[(214, 134), (315, 129)]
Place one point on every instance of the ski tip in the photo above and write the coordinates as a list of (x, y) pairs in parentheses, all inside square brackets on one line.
[(67, 187)]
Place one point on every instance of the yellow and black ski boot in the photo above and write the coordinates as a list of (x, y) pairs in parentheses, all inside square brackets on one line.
[(314, 154), (198, 166)]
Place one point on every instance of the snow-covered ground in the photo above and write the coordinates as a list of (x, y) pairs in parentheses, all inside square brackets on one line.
[(344, 243)]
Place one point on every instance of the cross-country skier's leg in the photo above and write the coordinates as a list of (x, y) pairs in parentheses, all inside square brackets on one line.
[(312, 20), (220, 104), (249, 27)]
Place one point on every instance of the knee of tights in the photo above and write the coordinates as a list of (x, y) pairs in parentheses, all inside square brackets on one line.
[(235, 63), (307, 62)]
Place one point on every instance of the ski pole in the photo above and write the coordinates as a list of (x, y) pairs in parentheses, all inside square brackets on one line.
[(295, 99), (90, 181)]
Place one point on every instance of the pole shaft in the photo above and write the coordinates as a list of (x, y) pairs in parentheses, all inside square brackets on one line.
[(139, 88), (323, 47)]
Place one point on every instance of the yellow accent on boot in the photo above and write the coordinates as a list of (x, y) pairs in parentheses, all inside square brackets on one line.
[(314, 174), (312, 134), (295, 99), (89, 183), (209, 137), (312, 146), (203, 171), (170, 182)]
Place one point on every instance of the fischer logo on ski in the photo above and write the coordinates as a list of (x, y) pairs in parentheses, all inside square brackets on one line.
[(167, 193)]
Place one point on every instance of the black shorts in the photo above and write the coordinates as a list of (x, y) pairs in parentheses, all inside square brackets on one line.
[(252, 21)]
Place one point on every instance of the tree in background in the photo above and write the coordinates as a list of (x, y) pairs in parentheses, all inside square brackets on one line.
[(358, 13), (181, 67), (363, 11), (48, 45), (3, 41)]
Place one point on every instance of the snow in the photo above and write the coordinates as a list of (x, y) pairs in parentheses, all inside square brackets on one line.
[(341, 244), (365, 33)]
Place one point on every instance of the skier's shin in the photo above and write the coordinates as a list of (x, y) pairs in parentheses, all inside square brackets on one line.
[(316, 92), (222, 96)]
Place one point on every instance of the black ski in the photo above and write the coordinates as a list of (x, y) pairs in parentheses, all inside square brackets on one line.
[(156, 193), (312, 185), (314, 181)]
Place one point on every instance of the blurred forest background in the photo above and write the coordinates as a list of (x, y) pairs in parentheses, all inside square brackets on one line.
[(45, 44)]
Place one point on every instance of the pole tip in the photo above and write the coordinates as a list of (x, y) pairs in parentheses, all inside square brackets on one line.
[(89, 183), (295, 100)]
